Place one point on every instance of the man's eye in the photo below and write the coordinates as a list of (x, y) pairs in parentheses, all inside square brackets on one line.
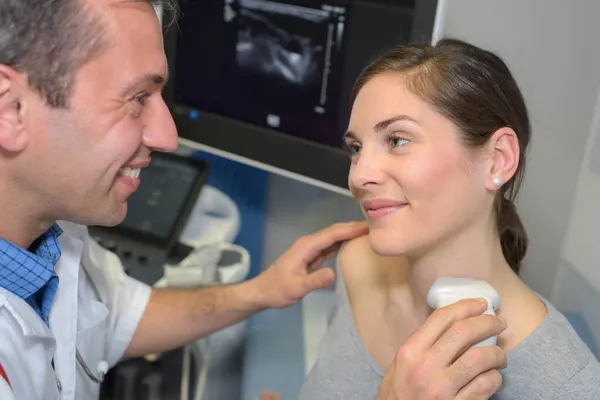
[(142, 97)]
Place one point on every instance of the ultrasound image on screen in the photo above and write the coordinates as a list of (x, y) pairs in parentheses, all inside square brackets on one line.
[(154, 207), (273, 63), (266, 47)]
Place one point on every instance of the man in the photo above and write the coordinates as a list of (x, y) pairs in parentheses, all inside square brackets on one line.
[(80, 113)]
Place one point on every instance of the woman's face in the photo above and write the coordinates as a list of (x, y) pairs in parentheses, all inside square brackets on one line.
[(417, 184)]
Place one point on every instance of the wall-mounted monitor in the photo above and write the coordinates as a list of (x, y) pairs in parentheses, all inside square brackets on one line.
[(267, 82)]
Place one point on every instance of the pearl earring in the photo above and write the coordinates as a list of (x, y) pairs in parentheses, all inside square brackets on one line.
[(497, 182)]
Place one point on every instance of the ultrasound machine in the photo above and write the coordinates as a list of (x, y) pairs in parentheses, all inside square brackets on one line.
[(157, 212)]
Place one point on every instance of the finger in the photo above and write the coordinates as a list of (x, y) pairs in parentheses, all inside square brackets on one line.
[(475, 362), (387, 382), (266, 395), (320, 260), (483, 386), (319, 279), (441, 320), (463, 334), (331, 252), (316, 264), (314, 245)]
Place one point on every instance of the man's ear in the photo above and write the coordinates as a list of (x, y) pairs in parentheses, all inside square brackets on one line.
[(505, 150), (13, 135)]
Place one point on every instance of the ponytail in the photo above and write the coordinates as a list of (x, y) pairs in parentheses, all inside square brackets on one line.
[(513, 237)]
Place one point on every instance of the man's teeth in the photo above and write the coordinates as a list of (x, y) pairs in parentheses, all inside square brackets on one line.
[(130, 172)]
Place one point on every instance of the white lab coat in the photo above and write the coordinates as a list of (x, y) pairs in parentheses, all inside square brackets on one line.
[(97, 307)]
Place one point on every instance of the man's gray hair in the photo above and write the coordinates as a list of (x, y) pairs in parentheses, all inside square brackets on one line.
[(50, 40)]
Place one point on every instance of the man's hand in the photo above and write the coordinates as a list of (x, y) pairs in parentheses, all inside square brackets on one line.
[(174, 317), (433, 363), (266, 395), (295, 273)]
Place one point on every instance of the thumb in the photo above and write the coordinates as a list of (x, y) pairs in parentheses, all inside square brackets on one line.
[(319, 279), (385, 387)]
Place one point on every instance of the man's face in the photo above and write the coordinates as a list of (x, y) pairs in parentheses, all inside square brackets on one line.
[(84, 161)]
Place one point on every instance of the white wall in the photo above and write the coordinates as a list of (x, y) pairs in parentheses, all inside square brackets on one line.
[(582, 239), (550, 45), (574, 293), (577, 285)]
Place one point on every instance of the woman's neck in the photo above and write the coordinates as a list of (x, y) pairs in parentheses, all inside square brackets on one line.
[(473, 255), (469, 255)]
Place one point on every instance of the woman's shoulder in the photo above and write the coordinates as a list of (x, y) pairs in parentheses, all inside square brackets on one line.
[(355, 248), (355, 257), (360, 265), (552, 360), (585, 384)]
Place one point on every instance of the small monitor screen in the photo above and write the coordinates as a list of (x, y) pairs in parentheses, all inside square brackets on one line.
[(165, 186), (276, 64)]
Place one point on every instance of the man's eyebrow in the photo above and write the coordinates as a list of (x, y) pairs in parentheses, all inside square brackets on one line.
[(151, 79)]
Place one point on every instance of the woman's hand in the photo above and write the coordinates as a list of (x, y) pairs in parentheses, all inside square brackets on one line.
[(437, 361)]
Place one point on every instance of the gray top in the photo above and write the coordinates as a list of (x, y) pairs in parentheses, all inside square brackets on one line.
[(552, 363)]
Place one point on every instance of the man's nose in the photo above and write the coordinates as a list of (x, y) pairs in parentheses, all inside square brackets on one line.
[(160, 134)]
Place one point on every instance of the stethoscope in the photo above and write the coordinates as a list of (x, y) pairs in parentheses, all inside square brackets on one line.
[(102, 369)]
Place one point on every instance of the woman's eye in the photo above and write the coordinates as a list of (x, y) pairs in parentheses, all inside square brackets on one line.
[(398, 141), (352, 147)]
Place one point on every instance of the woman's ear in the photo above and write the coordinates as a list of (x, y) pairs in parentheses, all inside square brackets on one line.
[(505, 151), (13, 135)]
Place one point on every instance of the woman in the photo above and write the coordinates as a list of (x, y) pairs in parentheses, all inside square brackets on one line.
[(437, 138)]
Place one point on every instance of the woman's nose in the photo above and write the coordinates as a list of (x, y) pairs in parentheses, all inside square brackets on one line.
[(368, 169)]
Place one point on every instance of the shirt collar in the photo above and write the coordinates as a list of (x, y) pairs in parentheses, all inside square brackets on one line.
[(25, 272)]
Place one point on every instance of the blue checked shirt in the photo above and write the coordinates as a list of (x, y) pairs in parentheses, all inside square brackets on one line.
[(30, 273)]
